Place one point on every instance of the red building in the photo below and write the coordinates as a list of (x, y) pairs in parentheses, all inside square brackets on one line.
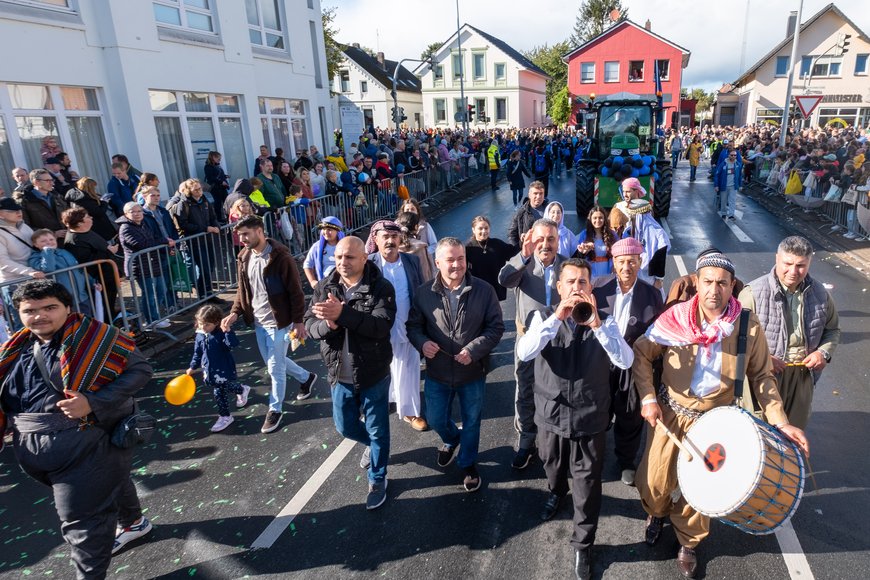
[(622, 59)]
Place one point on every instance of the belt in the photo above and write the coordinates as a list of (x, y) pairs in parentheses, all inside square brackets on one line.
[(676, 407), (43, 422)]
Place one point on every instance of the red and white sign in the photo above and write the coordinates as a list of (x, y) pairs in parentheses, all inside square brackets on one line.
[(808, 103)]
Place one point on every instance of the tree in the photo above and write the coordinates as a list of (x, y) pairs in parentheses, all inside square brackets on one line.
[(430, 50), (549, 59), (560, 111), (331, 46), (594, 18)]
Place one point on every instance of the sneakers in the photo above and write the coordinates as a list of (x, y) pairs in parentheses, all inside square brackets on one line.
[(522, 458), (472, 479), (377, 495), (628, 476), (365, 461), (126, 535), (850, 235), (162, 324), (305, 388), (446, 453), (242, 398), (273, 419), (222, 423)]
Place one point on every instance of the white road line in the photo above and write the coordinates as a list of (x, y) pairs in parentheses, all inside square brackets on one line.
[(570, 212), (738, 233), (666, 226), (793, 554), (681, 266), (303, 496)]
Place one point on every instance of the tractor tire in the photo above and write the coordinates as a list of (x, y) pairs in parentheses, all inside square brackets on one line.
[(585, 191), (662, 197)]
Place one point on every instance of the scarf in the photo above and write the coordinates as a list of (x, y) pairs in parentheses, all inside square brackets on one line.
[(678, 325), (318, 263)]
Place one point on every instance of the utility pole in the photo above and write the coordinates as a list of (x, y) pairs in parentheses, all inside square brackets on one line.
[(745, 34), (461, 70), (783, 129), (397, 112)]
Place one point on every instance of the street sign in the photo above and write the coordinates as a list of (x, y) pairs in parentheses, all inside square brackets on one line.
[(459, 116), (808, 103)]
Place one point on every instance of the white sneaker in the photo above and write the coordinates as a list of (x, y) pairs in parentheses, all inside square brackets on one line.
[(221, 424), (124, 536), (849, 235), (242, 398), (162, 324)]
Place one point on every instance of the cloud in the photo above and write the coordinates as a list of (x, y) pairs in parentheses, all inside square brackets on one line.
[(712, 31)]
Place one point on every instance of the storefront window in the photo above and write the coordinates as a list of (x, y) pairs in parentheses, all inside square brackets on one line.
[(284, 125)]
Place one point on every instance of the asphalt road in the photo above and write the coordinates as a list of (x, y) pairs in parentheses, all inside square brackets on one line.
[(210, 496)]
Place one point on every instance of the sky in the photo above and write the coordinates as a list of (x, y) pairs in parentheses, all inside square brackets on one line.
[(711, 30)]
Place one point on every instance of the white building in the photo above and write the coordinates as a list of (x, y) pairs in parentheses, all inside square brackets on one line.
[(842, 79), (366, 81), (499, 82), (162, 81)]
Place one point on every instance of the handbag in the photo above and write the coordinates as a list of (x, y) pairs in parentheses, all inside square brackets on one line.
[(834, 194), (851, 195), (179, 273), (360, 200), (810, 180), (794, 184)]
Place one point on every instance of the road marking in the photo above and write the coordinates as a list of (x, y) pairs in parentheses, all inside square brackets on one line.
[(570, 212), (793, 554), (738, 233), (681, 266), (302, 497), (666, 226)]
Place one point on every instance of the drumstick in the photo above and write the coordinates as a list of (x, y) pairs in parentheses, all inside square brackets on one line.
[(674, 439)]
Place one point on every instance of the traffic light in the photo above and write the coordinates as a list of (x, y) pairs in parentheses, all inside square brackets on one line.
[(398, 114), (481, 116), (843, 43), (401, 115), (394, 114), (470, 114)]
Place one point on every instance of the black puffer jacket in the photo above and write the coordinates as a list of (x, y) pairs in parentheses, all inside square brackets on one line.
[(367, 318), (523, 220)]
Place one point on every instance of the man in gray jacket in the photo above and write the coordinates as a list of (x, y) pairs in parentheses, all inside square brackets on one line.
[(455, 323), (533, 272)]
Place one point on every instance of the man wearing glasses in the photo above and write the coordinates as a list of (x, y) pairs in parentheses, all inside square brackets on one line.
[(726, 182), (42, 206)]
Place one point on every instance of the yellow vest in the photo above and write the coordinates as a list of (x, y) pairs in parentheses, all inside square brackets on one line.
[(257, 197), (491, 154)]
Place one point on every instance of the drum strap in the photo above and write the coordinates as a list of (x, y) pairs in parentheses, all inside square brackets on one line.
[(740, 377)]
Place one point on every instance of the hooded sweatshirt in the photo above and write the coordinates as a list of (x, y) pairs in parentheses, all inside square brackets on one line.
[(567, 238)]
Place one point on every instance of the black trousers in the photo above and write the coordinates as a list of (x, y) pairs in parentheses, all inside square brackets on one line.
[(628, 422), (493, 178), (90, 481), (582, 458)]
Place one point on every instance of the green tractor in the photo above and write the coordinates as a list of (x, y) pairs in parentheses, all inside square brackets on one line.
[(623, 143)]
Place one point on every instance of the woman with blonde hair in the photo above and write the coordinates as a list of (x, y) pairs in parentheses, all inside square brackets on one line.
[(85, 196)]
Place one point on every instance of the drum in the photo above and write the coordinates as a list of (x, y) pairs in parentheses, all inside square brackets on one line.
[(743, 471)]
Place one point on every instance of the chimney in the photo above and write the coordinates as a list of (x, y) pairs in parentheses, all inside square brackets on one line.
[(381, 60), (792, 22), (648, 24), (355, 45)]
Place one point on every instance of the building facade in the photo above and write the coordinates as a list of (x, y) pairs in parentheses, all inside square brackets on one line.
[(505, 88), (840, 78), (623, 59), (162, 81), (366, 81)]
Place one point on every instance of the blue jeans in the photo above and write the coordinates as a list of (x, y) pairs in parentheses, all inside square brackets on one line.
[(693, 169), (439, 400), (273, 343), (153, 293), (518, 195), (675, 157), (375, 431)]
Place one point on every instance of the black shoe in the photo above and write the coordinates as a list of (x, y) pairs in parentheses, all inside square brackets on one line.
[(583, 564), (273, 419), (472, 479), (393, 408), (305, 388), (522, 458), (687, 562), (654, 527), (366, 460), (551, 506), (446, 453)]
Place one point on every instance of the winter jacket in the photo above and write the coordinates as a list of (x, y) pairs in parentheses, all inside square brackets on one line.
[(523, 220), (212, 351), (515, 171), (122, 192), (192, 216), (281, 278), (720, 177), (39, 214), (15, 250), (273, 190), (134, 238), (97, 209), (476, 326), (50, 259), (165, 220), (216, 178), (366, 319)]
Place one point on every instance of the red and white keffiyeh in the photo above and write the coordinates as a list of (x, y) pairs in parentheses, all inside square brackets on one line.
[(678, 325)]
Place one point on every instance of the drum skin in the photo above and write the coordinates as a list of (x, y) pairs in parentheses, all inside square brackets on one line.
[(743, 471)]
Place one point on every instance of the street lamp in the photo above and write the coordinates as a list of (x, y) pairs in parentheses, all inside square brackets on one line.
[(398, 113)]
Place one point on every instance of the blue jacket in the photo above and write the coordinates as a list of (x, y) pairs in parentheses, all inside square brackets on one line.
[(165, 220), (720, 178), (51, 259), (122, 192), (213, 353)]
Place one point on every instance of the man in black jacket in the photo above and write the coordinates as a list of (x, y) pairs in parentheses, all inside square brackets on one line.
[(572, 399), (351, 314), (634, 304), (530, 211), (455, 323)]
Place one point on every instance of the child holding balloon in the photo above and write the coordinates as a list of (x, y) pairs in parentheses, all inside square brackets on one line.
[(212, 352)]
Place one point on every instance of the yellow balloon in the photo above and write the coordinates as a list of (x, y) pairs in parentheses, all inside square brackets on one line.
[(180, 390)]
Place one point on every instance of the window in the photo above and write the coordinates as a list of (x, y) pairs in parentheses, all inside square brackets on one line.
[(70, 115), (611, 71), (534, 111), (315, 50), (824, 66), (836, 117), (345, 81), (500, 71), (587, 72), (480, 109), (457, 66), (458, 105), (478, 62), (501, 110), (635, 71), (189, 125), (664, 66), (192, 14), (60, 3), (440, 111), (806, 61), (7, 162), (782, 66), (264, 23), (438, 73), (861, 64), (363, 87)]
